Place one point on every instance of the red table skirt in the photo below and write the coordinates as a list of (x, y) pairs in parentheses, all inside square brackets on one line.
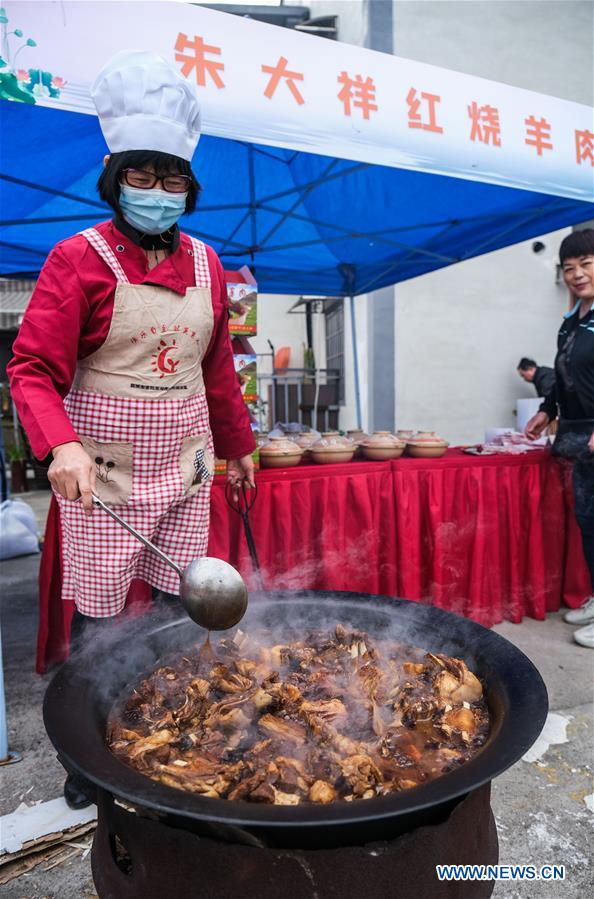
[(490, 538)]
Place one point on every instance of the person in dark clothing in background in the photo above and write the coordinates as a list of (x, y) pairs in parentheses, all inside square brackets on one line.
[(572, 400), (541, 376)]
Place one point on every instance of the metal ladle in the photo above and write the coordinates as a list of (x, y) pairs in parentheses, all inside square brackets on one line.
[(212, 592)]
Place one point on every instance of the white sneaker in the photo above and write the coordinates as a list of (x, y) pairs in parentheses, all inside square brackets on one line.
[(583, 615), (585, 636)]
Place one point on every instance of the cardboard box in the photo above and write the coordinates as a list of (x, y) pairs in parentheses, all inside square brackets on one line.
[(246, 370)]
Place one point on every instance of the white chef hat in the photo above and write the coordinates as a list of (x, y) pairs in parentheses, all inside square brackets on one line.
[(144, 104)]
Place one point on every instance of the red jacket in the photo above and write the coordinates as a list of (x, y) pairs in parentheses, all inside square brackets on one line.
[(68, 318)]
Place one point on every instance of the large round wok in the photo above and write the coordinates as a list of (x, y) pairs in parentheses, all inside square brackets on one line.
[(79, 697)]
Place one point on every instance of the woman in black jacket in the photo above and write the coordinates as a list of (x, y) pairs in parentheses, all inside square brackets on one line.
[(572, 401)]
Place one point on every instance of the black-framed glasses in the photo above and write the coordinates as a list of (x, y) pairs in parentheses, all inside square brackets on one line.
[(175, 184)]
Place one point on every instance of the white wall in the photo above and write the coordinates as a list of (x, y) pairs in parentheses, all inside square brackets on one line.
[(285, 330), (348, 414), (461, 331), (280, 328), (540, 45)]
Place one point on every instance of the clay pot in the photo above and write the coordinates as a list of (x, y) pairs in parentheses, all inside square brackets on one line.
[(332, 448), (305, 440), (357, 436), (427, 452), (279, 452), (405, 435), (382, 445), (427, 437), (427, 445)]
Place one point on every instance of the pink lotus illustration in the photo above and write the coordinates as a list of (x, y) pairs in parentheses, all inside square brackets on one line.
[(23, 76), (58, 83)]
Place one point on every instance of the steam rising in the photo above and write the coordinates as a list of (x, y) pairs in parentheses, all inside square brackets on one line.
[(315, 716)]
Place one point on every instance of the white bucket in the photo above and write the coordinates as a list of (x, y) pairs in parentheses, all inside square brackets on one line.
[(525, 409)]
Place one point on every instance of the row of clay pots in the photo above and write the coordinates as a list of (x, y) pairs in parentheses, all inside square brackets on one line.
[(331, 447), (384, 445), (283, 452)]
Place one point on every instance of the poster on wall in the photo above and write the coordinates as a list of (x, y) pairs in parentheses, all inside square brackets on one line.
[(243, 309), (246, 370)]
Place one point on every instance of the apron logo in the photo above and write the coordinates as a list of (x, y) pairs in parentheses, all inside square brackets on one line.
[(103, 469), (162, 363)]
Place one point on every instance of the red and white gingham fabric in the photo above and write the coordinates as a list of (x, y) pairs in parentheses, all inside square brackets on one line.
[(99, 244), (100, 558), (201, 267)]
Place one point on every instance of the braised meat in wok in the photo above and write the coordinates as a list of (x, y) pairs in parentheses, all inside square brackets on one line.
[(332, 716)]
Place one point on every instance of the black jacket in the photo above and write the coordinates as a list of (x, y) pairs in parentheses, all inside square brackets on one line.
[(544, 380), (572, 396)]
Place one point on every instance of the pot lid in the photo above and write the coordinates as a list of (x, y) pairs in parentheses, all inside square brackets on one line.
[(332, 440), (382, 439), (280, 446)]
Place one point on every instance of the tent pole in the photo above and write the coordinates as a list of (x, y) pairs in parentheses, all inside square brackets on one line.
[(252, 202), (355, 361), (6, 757)]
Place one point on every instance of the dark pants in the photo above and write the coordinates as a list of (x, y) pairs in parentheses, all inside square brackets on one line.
[(583, 488), (83, 627)]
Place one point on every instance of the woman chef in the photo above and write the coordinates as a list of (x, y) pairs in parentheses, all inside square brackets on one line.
[(123, 368)]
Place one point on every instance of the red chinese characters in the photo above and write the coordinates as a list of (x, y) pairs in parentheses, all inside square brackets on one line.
[(416, 119), (163, 329), (538, 134), (584, 147), (280, 71), (196, 60), (357, 92), (204, 63), (485, 126)]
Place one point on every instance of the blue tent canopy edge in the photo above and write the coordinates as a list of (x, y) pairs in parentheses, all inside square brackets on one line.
[(305, 224)]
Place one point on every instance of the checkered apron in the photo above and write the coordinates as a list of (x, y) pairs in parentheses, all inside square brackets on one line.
[(139, 407)]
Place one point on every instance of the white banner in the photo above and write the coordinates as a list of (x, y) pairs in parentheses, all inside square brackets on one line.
[(275, 86)]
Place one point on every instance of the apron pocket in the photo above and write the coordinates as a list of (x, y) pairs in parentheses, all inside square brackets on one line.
[(196, 463), (113, 469)]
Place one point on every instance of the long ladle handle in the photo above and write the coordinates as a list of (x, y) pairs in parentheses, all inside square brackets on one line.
[(154, 549)]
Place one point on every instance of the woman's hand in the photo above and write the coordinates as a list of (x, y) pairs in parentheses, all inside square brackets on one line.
[(240, 471), (591, 443), (72, 474), (536, 425)]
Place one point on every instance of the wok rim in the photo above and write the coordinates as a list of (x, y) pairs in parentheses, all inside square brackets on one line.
[(515, 732)]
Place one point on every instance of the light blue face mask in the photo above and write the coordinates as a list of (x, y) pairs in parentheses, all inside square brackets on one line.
[(151, 211)]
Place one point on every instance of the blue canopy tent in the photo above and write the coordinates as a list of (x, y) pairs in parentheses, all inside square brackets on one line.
[(305, 223)]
